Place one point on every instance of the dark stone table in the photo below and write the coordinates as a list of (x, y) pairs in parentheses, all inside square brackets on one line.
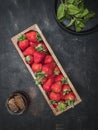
[(77, 54)]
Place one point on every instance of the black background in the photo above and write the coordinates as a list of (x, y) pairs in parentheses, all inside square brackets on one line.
[(77, 54)]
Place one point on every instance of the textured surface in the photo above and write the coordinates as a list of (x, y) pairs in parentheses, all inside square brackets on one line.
[(77, 54)]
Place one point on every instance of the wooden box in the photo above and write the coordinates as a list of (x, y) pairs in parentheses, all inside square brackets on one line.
[(36, 28)]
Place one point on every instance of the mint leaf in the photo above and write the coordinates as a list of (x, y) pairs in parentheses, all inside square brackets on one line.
[(61, 11), (71, 22), (75, 12), (85, 12), (70, 1), (89, 16), (79, 25), (72, 10)]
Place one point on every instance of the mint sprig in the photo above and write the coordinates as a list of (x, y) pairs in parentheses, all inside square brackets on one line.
[(75, 12)]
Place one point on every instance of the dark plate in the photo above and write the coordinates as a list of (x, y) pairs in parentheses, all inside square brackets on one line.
[(92, 24)]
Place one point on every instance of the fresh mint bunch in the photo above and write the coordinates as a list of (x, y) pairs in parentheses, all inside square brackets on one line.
[(75, 12)]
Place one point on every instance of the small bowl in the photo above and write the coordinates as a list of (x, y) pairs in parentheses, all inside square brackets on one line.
[(91, 26), (20, 101)]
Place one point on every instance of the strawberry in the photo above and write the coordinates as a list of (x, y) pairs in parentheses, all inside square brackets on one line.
[(69, 99), (29, 51), (56, 70), (34, 44), (36, 67), (23, 43), (47, 69), (56, 87), (48, 59), (66, 88), (55, 105), (29, 59), (33, 36), (54, 96), (38, 56), (43, 80), (47, 85), (61, 78)]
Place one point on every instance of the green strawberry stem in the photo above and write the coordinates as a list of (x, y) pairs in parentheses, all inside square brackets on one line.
[(38, 37), (52, 101), (27, 58), (70, 103), (56, 73), (38, 80), (61, 106), (64, 81), (66, 92), (21, 37), (40, 48), (40, 74)]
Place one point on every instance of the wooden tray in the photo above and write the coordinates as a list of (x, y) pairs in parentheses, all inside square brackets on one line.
[(36, 28)]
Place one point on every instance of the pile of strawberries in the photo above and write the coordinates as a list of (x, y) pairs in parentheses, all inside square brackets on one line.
[(46, 71)]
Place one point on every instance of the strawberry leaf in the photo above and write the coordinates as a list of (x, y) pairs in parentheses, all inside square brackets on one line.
[(38, 80), (40, 74), (61, 106), (66, 92), (21, 37), (27, 58), (40, 48), (56, 73), (52, 101), (64, 81), (38, 37), (70, 103)]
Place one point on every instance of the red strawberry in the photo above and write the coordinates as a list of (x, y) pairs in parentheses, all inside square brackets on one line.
[(33, 36), (66, 88), (23, 43), (34, 44), (54, 96), (29, 59), (36, 67), (61, 78), (43, 80), (48, 59), (55, 105), (29, 51), (39, 56), (56, 70), (70, 98), (47, 69), (56, 87), (47, 85)]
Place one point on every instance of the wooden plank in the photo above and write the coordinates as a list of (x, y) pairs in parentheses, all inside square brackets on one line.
[(36, 28)]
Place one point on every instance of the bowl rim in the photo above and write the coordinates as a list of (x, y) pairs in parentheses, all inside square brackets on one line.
[(23, 94), (89, 31)]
